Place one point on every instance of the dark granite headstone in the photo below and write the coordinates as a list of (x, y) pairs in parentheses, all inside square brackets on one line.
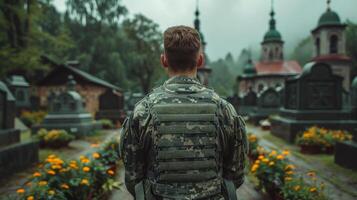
[(66, 111), (111, 106), (249, 102), (312, 98), (14, 155), (345, 152)]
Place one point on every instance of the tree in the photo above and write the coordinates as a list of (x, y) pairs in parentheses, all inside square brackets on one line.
[(142, 59), (303, 51)]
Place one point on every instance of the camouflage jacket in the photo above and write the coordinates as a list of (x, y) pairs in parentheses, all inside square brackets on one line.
[(136, 141)]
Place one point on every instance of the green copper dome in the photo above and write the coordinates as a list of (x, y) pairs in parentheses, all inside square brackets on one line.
[(272, 34), (249, 68), (329, 18)]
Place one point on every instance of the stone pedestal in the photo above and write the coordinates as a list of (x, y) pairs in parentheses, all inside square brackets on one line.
[(14, 155), (345, 153)]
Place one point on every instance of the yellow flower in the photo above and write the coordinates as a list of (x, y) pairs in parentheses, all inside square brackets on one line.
[(288, 178), (51, 192), (84, 159), (73, 165), (65, 186), (257, 162), (297, 188), (280, 157), (273, 153), (265, 160), (56, 166), (51, 172), (42, 183), (261, 157), (271, 163), (36, 174), (289, 172), (289, 167), (30, 198), (96, 155), (286, 152), (254, 168), (84, 182), (111, 172), (20, 191), (86, 169), (313, 189)]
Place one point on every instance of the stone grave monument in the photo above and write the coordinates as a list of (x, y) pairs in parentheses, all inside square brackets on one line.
[(345, 151), (66, 111), (249, 102), (20, 88), (111, 106), (14, 155), (312, 98), (268, 103)]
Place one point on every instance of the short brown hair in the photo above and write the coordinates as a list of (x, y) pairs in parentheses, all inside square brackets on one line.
[(182, 45)]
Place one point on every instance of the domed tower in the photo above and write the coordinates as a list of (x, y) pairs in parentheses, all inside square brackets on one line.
[(204, 71), (330, 44), (272, 45)]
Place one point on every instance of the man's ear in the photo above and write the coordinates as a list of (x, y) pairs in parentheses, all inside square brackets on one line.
[(164, 62), (200, 61)]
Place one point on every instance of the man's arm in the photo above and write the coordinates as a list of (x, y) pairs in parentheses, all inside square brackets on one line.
[(131, 152), (236, 145)]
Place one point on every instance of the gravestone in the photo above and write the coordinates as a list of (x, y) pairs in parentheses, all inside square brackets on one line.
[(249, 102), (111, 106), (14, 155), (312, 98), (345, 151), (268, 103), (66, 111), (235, 100), (281, 91), (20, 88)]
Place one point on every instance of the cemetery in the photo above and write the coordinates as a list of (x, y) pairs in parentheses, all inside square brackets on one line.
[(68, 85)]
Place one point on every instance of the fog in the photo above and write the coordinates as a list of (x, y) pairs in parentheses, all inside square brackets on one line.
[(230, 25)]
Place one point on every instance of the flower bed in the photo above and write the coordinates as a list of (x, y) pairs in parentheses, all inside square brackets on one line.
[(277, 177), (106, 124), (32, 118), (87, 178), (54, 138), (317, 140)]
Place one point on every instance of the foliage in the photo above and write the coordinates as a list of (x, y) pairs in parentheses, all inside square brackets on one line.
[(222, 78), (351, 43), (54, 138), (86, 178), (303, 52), (106, 123), (271, 168), (324, 138), (253, 146), (30, 118), (296, 188)]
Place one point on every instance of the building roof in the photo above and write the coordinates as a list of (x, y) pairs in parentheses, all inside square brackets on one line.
[(329, 18), (332, 57), (280, 67), (76, 73)]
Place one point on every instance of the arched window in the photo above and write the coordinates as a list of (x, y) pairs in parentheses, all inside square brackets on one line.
[(260, 87), (317, 44), (271, 55), (333, 44)]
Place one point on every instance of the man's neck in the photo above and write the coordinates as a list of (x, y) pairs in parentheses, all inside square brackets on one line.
[(190, 74)]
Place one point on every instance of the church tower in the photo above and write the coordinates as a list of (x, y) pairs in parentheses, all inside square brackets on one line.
[(272, 45), (203, 72), (330, 44)]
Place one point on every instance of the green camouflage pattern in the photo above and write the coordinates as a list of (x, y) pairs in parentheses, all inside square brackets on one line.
[(186, 112)]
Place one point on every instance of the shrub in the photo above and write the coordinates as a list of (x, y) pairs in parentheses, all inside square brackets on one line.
[(54, 138), (32, 118), (88, 177), (322, 138), (106, 123)]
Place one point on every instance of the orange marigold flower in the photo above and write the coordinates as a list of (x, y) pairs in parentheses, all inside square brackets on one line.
[(280, 157), (96, 155), (30, 198), (297, 188), (84, 182), (313, 189), (42, 183), (65, 186), (265, 160), (20, 191), (288, 178), (289, 172), (286, 152), (86, 169), (37, 174), (111, 172), (51, 172)]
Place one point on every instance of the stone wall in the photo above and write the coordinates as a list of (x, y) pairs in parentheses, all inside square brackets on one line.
[(90, 94)]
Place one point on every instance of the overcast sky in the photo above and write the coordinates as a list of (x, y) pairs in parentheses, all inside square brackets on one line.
[(231, 25)]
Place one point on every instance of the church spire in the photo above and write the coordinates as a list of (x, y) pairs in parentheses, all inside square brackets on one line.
[(272, 22), (197, 20), (328, 5)]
